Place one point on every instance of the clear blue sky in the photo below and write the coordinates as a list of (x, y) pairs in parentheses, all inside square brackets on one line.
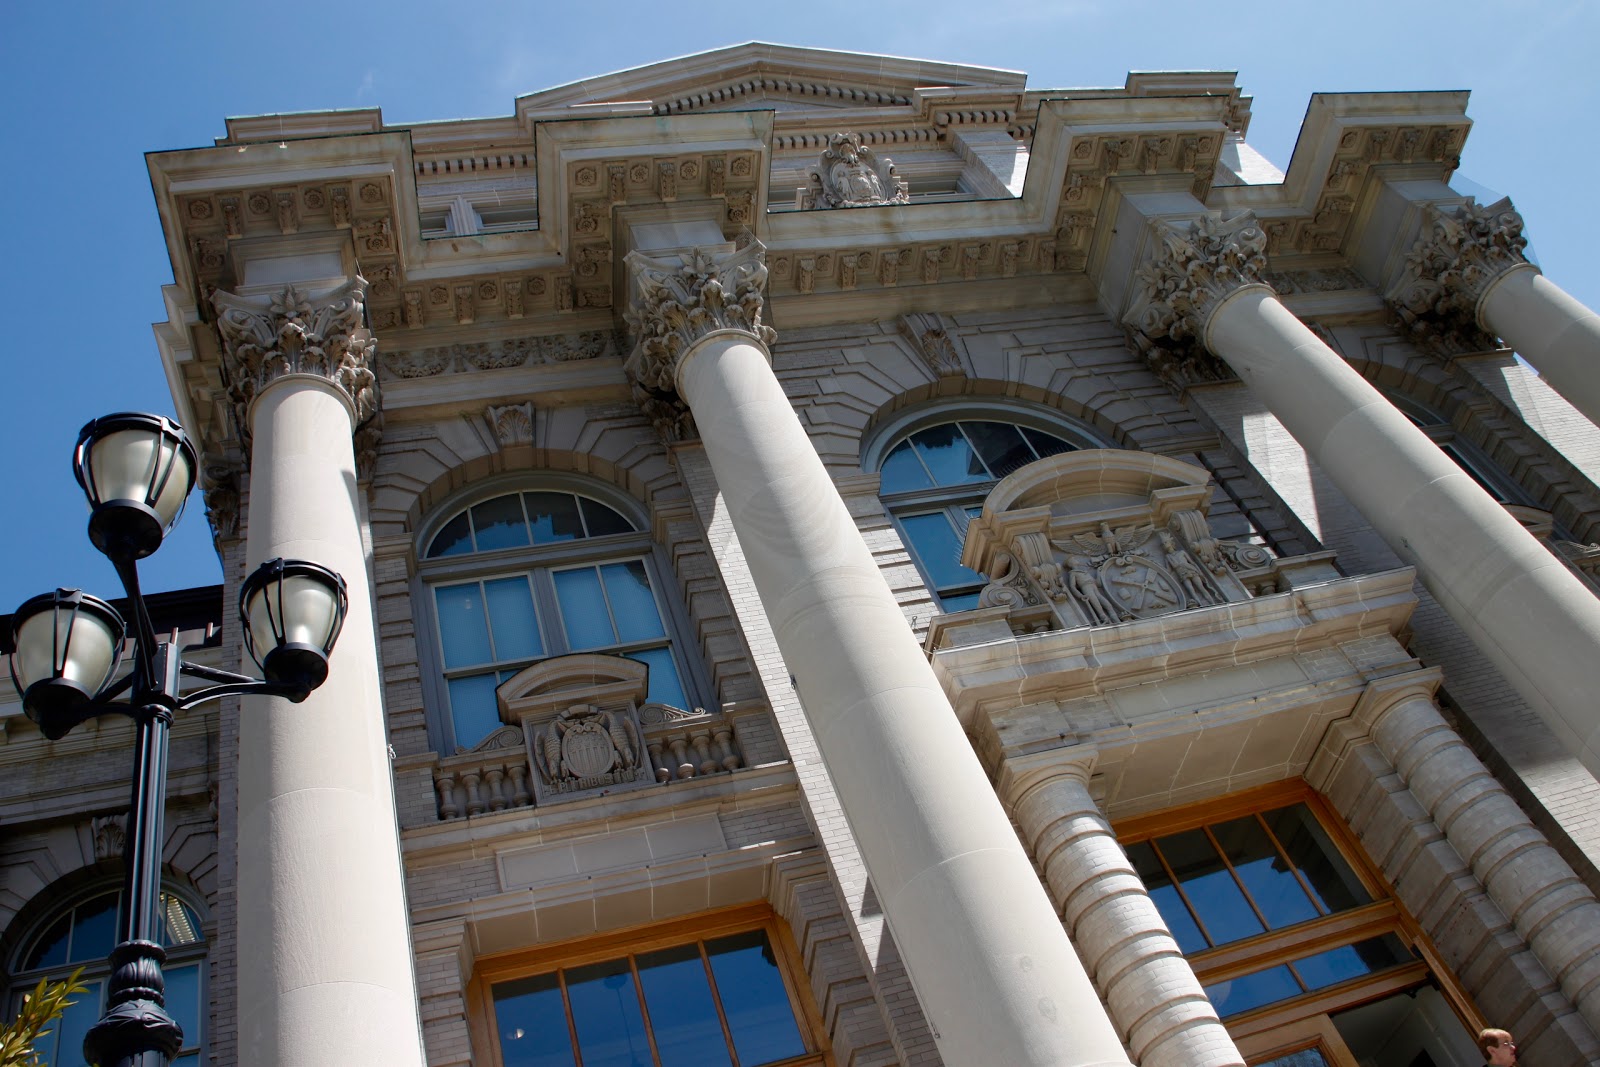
[(90, 87)]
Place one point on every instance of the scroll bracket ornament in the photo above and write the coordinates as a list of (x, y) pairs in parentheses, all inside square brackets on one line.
[(1462, 252), (1195, 266), (678, 302), (267, 338)]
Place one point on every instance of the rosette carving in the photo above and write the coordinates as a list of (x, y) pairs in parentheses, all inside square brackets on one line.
[(1462, 251), (678, 302), (265, 338)]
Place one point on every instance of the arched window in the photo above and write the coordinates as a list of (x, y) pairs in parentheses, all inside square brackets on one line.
[(517, 577), (935, 471), (82, 934), (1479, 467)]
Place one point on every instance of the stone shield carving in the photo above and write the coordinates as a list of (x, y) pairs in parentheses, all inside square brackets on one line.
[(1140, 587)]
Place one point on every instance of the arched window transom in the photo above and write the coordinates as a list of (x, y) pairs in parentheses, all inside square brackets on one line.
[(933, 481), (523, 576), (83, 935)]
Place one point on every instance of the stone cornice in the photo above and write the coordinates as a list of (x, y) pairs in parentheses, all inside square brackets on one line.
[(265, 338), (1461, 253)]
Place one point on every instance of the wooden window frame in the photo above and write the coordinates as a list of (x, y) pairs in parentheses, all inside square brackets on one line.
[(1387, 914), (620, 944)]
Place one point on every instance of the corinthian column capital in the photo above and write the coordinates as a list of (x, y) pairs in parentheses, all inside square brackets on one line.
[(678, 301), (266, 338), (1462, 252)]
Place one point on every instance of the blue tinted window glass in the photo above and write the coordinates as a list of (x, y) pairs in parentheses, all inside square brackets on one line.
[(665, 686), (516, 626), (1306, 1057), (753, 999), (553, 517), (1166, 898), (51, 949), (605, 1010), (902, 471), (1265, 873), (682, 1013), (463, 630), (498, 523), (1000, 445), (1331, 879), (183, 1000), (938, 548), (948, 456), (94, 928), (1251, 991), (454, 540), (531, 1024), (601, 520), (1046, 444), (473, 708), (583, 609), (633, 606), (1223, 910), (1351, 961), (69, 1031)]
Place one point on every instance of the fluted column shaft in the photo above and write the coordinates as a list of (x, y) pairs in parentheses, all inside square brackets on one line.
[(1152, 994), (1522, 607), (990, 962), (1547, 903), (325, 967)]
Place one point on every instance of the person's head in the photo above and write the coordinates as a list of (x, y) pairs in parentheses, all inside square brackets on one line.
[(1497, 1047)]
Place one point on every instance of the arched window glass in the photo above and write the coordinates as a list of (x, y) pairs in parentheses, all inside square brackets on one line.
[(934, 478), (523, 576), (83, 935)]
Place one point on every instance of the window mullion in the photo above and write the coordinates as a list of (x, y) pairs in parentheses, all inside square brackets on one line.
[(1234, 874), (572, 1024), (545, 606), (644, 1010), (1177, 885), (1283, 853), (716, 999)]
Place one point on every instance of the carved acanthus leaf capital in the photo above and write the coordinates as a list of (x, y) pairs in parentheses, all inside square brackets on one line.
[(1194, 267), (677, 302), (265, 338), (1461, 252)]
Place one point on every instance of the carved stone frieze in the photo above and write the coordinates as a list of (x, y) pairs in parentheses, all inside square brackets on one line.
[(110, 834), (219, 481), (1321, 280), (1462, 251), (265, 338), (586, 747), (474, 356), (677, 302), (849, 174)]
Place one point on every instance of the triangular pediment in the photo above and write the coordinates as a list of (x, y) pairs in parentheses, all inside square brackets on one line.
[(757, 75)]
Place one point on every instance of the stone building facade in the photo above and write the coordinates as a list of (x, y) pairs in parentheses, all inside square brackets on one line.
[(860, 561)]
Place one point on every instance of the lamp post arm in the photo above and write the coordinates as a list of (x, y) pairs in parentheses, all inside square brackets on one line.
[(144, 632)]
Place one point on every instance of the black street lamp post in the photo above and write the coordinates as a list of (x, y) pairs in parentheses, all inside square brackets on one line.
[(137, 471)]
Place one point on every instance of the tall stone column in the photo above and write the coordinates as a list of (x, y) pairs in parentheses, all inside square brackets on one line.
[(1154, 998), (1520, 605), (1469, 265), (1550, 907), (325, 968), (990, 962)]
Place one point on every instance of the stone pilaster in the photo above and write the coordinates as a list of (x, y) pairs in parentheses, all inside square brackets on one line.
[(1160, 1010), (1547, 903), (986, 953), (265, 338)]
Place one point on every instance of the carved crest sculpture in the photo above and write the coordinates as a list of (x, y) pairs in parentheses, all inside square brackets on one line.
[(585, 747), (849, 174)]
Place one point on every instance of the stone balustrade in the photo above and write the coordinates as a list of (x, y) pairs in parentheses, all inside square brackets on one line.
[(472, 783), (686, 745)]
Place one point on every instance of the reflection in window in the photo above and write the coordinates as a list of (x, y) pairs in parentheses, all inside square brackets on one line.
[(83, 935), (564, 573), (1317, 971), (710, 1003), (933, 482)]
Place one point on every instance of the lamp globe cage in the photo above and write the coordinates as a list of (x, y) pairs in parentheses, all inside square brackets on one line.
[(137, 470), (66, 646), (292, 612)]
